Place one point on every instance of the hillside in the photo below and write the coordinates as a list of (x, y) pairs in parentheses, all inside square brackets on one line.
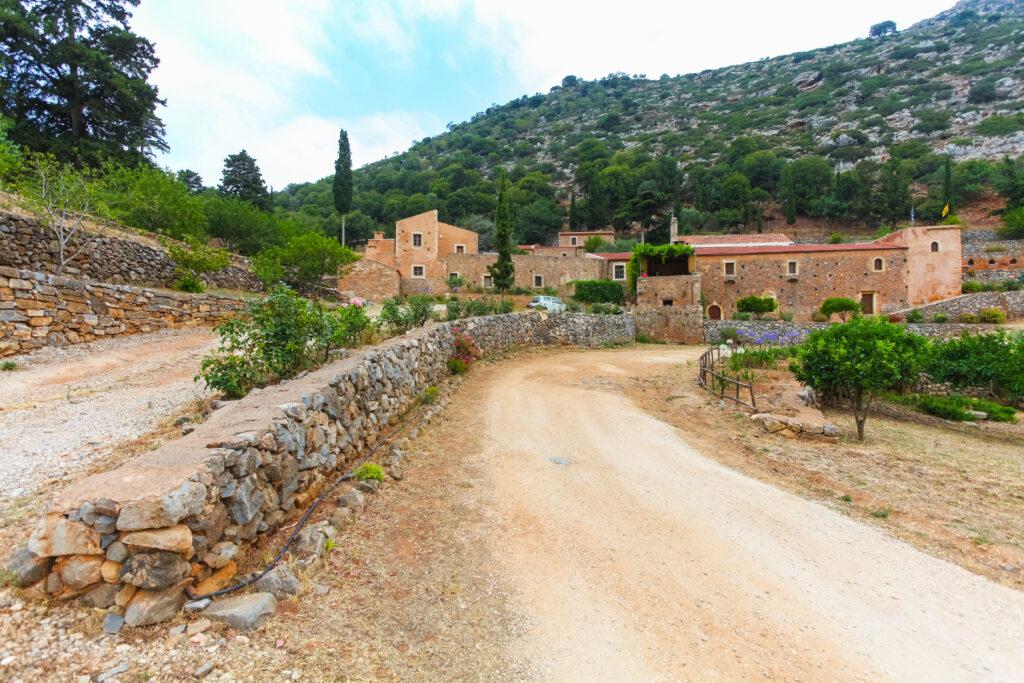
[(951, 85)]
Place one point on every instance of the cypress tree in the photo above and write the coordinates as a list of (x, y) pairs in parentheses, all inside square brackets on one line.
[(788, 192), (947, 185), (894, 190), (574, 219), (341, 186), (503, 270)]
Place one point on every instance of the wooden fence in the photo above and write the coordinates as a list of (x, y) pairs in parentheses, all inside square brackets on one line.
[(726, 387)]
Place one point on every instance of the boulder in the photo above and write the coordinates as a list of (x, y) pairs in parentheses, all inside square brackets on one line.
[(153, 606), (110, 571), (167, 510), (26, 568), (80, 571), (280, 582), (243, 612), (176, 539), (58, 535), (102, 596), (154, 570)]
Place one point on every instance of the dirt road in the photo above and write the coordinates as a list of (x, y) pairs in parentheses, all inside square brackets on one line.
[(63, 408), (634, 557)]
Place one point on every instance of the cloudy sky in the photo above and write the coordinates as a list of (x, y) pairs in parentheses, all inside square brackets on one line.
[(278, 78)]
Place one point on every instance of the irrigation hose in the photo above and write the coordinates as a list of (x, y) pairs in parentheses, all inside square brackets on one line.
[(254, 577)]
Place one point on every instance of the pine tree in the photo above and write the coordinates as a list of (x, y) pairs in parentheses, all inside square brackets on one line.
[(788, 194), (73, 78), (894, 192), (503, 270), (341, 186), (192, 180), (947, 186), (574, 219), (242, 179)]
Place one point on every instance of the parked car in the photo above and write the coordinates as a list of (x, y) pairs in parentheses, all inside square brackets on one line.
[(549, 303)]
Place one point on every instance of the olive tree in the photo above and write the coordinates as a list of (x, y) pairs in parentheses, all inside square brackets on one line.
[(841, 306), (758, 306), (853, 362), (62, 197)]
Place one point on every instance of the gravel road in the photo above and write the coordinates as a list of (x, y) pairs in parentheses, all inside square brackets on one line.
[(637, 558), (64, 407)]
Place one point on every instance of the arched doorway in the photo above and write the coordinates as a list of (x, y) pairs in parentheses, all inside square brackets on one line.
[(714, 312)]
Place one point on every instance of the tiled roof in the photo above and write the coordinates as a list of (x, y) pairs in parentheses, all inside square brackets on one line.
[(736, 240)]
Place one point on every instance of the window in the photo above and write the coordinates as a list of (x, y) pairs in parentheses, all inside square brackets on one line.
[(538, 280), (935, 246), (460, 248), (991, 261), (792, 268), (572, 241), (878, 265), (564, 254), (417, 239), (619, 271), (970, 262), (488, 281), (729, 268), (453, 276), (666, 302), (418, 271)]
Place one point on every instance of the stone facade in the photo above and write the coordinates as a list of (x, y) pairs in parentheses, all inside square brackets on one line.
[(26, 245), (677, 324), (553, 271), (668, 291), (45, 310), (370, 280), (182, 516), (1010, 302), (785, 333), (990, 276)]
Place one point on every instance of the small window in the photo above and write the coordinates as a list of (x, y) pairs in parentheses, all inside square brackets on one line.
[(417, 239), (729, 268), (878, 265), (619, 271), (418, 271), (1013, 261), (935, 246), (667, 302), (453, 276), (991, 261), (488, 281), (460, 248), (564, 254), (538, 280), (572, 241), (792, 267), (970, 262)]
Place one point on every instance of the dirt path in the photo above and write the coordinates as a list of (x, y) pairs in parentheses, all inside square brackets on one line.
[(63, 408), (635, 557)]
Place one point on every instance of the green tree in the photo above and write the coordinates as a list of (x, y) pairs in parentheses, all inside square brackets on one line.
[(10, 154), (574, 218), (894, 192), (882, 28), (341, 184), (191, 180), (993, 361), (73, 77), (948, 194), (1010, 184), (242, 179), (841, 306), (152, 199), (303, 262), (1013, 225), (192, 260), (503, 270), (788, 194), (812, 178), (758, 306), (62, 197), (854, 362)]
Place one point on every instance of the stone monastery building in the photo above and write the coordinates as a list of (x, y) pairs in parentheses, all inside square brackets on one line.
[(906, 268)]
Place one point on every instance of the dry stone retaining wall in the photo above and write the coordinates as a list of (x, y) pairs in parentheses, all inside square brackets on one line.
[(45, 310), (26, 245), (134, 538), (1011, 302), (782, 332)]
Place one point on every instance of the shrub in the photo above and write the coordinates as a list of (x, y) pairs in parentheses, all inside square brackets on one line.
[(940, 318), (994, 316), (277, 337), (742, 316), (303, 262), (786, 316), (915, 316), (605, 309), (398, 317), (819, 317), (192, 260), (840, 306), (463, 355), (8, 366), (941, 406), (757, 306), (454, 281), (968, 318), (599, 291), (369, 470), (573, 307), (429, 396), (1013, 224), (727, 334), (836, 238), (856, 361), (993, 361)]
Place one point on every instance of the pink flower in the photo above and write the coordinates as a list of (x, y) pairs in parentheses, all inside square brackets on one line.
[(357, 302)]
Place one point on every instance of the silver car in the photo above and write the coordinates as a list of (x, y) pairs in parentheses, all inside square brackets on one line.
[(549, 303)]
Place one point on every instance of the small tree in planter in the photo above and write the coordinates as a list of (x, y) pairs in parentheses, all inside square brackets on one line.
[(856, 361), (840, 306), (757, 306)]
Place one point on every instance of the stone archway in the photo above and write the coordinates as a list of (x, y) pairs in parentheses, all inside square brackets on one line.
[(714, 312)]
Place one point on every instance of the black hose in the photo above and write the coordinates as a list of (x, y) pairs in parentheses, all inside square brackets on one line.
[(254, 577)]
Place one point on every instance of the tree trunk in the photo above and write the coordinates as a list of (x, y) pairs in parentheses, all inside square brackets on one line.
[(860, 414), (342, 229)]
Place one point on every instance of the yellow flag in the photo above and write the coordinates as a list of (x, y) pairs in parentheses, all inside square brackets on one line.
[(945, 210)]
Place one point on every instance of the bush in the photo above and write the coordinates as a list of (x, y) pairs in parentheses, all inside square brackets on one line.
[(856, 361), (8, 366), (190, 282), (757, 306), (836, 238), (369, 470), (303, 262), (967, 318), (786, 316), (941, 406), (605, 309), (573, 307), (993, 316), (599, 291), (398, 317), (819, 317), (915, 316), (727, 334), (463, 355), (277, 337), (993, 361), (192, 260), (1013, 224), (742, 316), (940, 318), (840, 306)]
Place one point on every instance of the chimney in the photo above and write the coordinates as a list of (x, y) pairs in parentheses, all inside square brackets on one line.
[(673, 230)]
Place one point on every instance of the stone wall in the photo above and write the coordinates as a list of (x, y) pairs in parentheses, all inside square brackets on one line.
[(26, 245), (994, 275), (1011, 302), (676, 324), (782, 332), (370, 280), (45, 310), (182, 516), (555, 271)]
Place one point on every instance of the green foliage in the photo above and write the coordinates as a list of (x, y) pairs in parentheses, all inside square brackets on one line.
[(277, 337), (992, 316), (915, 316), (857, 360), (503, 270), (151, 199), (992, 361), (727, 334), (429, 396), (599, 291), (192, 260), (836, 238), (8, 366), (463, 354), (368, 471), (242, 179), (646, 253), (1013, 224), (1000, 125), (940, 318), (341, 183), (882, 28), (457, 309), (941, 406), (605, 309), (757, 306), (303, 262), (11, 158), (398, 317), (840, 306)]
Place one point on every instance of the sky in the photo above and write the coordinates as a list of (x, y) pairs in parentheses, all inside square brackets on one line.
[(280, 77)]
